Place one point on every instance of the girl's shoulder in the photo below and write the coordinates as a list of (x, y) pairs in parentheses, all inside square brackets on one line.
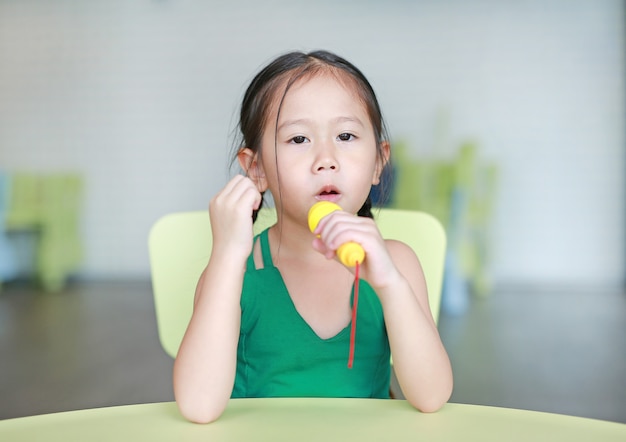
[(404, 258), (400, 250)]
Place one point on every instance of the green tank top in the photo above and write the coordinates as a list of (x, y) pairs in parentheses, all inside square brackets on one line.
[(279, 354)]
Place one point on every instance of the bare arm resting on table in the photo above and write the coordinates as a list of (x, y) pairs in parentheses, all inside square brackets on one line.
[(204, 370), (420, 361), (392, 269)]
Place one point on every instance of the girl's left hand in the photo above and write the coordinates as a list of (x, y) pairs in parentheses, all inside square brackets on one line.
[(340, 227)]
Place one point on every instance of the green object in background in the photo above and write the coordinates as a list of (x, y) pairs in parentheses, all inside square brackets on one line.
[(460, 192), (48, 206)]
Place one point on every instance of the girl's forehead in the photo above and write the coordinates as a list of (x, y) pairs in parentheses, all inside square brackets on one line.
[(324, 83), (326, 78)]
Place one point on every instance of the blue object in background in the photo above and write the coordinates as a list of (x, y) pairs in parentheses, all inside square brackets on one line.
[(8, 266), (455, 295)]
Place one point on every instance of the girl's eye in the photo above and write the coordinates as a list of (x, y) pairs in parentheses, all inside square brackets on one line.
[(345, 137), (298, 139)]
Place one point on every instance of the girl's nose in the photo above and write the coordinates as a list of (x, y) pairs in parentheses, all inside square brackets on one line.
[(326, 164), (326, 160)]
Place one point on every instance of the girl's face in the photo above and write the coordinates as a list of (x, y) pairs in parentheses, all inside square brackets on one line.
[(325, 148)]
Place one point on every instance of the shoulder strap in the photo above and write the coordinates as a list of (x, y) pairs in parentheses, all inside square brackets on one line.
[(265, 249)]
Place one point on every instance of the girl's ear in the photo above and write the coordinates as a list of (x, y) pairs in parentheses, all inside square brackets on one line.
[(249, 162), (381, 161)]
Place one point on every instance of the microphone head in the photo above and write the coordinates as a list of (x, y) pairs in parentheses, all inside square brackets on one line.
[(319, 210)]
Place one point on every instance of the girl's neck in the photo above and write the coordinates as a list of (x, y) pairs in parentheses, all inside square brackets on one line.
[(291, 240)]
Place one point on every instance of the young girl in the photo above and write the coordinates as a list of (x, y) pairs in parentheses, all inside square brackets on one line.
[(272, 314)]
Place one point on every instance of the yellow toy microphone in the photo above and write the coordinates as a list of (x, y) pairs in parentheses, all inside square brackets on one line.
[(349, 253)]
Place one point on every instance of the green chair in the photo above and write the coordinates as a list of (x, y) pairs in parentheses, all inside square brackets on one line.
[(180, 246)]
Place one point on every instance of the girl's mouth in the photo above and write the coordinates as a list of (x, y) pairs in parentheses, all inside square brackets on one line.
[(328, 193)]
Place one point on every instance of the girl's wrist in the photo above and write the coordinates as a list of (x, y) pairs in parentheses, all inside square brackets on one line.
[(394, 283), (229, 258), (232, 248)]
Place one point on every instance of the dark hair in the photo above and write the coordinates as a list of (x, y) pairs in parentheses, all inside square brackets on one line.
[(262, 93)]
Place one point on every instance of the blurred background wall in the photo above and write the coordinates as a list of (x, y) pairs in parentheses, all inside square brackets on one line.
[(141, 97)]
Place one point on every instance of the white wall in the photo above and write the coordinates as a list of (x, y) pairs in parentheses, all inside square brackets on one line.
[(141, 97)]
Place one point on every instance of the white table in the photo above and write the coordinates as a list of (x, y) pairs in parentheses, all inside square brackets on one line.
[(311, 420)]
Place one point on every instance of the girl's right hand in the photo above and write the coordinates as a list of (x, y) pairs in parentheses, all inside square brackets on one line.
[(231, 217)]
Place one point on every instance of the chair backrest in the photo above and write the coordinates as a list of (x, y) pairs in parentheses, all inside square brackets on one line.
[(180, 246)]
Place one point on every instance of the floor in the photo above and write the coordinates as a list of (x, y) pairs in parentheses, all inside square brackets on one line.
[(96, 344)]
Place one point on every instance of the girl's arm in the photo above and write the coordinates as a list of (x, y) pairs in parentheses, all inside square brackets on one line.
[(204, 370), (420, 360)]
